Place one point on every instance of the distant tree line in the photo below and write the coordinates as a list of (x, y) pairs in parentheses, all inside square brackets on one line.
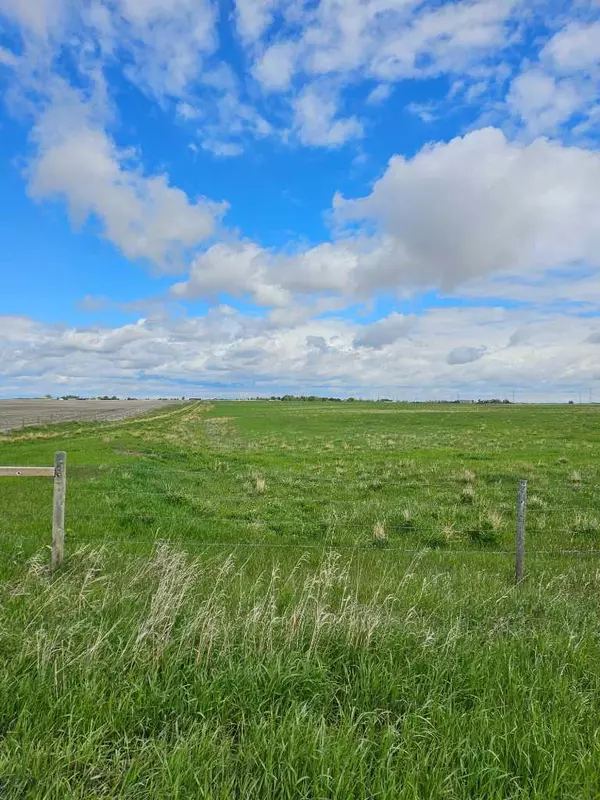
[(79, 397), (313, 398)]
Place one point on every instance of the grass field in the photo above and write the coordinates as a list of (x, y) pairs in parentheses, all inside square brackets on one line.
[(273, 600)]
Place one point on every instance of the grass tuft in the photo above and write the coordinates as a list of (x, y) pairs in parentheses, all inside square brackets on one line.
[(379, 536), (467, 494)]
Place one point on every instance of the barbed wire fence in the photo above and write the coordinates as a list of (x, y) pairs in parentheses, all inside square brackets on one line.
[(176, 505)]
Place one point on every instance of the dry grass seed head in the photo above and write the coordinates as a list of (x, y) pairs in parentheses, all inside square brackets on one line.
[(535, 501), (495, 519), (379, 534), (467, 494)]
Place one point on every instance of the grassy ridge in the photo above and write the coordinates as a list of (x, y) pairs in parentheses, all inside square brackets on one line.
[(305, 655)]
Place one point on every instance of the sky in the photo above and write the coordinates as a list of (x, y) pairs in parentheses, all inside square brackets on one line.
[(369, 198)]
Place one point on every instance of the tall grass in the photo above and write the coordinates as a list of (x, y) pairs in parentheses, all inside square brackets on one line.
[(235, 675)]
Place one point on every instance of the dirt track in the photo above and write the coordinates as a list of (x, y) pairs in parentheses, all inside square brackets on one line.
[(26, 413)]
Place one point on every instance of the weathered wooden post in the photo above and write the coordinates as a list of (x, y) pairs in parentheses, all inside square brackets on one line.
[(58, 514)]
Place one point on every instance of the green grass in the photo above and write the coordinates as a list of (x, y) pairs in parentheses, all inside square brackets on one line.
[(272, 600)]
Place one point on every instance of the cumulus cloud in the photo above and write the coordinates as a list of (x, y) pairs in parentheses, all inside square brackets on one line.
[(243, 268), (253, 18), (390, 40), (519, 337), (275, 67), (317, 122), (385, 331), (382, 40), (479, 205), (574, 48), (142, 215), (36, 17), (170, 50), (465, 355), (544, 103), (480, 213), (238, 268), (166, 40), (228, 349)]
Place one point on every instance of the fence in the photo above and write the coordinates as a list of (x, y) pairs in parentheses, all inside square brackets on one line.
[(59, 473), (119, 503), (22, 421)]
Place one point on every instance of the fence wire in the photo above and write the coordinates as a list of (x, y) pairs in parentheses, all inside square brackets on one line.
[(262, 512)]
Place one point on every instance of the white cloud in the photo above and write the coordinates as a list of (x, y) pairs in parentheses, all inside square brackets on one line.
[(144, 216), (222, 149), (477, 206), (253, 18), (165, 42), (451, 38), (594, 337), (479, 213), (244, 269), (37, 17), (188, 112), (392, 39), (240, 269), (465, 355), (425, 111), (348, 41), (169, 48), (7, 58), (167, 39), (544, 103), (275, 67), (575, 48), (450, 350), (225, 123), (380, 93), (385, 331), (316, 120)]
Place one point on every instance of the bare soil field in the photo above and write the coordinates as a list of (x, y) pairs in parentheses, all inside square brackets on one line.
[(24, 413)]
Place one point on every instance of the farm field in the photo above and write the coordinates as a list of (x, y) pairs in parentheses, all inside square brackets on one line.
[(315, 600), (27, 413)]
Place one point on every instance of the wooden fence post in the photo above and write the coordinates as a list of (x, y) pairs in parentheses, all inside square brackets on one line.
[(520, 539), (58, 515)]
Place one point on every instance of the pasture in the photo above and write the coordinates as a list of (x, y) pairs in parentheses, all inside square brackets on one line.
[(309, 600)]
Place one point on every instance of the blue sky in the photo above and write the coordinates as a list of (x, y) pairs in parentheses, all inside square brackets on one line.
[(247, 197)]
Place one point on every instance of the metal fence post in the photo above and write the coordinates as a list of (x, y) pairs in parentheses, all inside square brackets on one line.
[(520, 539), (58, 515)]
